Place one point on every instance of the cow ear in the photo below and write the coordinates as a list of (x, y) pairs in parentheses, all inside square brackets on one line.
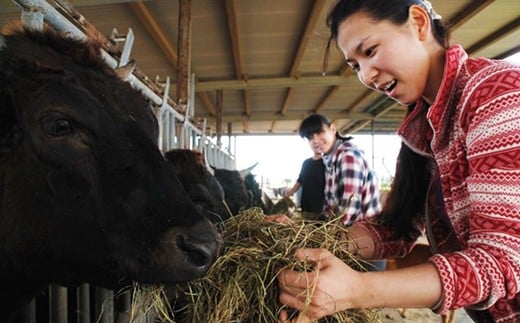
[(246, 171)]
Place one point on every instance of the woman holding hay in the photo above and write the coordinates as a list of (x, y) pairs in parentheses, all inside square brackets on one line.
[(351, 188), (350, 183), (457, 178)]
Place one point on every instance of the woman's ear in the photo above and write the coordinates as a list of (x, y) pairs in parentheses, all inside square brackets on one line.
[(420, 20), (333, 128)]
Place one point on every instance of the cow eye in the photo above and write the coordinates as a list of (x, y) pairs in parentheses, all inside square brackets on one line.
[(57, 127)]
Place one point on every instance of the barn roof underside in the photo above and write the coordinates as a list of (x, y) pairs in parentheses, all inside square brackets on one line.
[(257, 63)]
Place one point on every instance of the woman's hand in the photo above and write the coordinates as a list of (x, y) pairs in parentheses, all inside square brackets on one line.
[(280, 218), (329, 288), (300, 318), (334, 287)]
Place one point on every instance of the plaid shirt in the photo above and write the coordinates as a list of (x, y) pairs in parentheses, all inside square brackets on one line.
[(351, 187)]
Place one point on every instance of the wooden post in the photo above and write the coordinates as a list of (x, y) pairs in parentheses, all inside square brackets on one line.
[(184, 51), (229, 133), (220, 103)]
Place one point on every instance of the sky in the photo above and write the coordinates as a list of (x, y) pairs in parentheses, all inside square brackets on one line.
[(280, 157)]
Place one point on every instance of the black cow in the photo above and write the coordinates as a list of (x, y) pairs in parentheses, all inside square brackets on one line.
[(258, 197), (85, 193), (236, 194), (241, 190), (202, 187)]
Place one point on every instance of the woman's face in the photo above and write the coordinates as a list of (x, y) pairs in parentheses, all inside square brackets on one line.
[(388, 58), (323, 142)]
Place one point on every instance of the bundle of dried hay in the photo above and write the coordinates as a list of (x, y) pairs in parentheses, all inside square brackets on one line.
[(241, 286)]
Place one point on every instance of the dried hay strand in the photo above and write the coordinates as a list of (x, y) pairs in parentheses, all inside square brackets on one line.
[(150, 304), (241, 286)]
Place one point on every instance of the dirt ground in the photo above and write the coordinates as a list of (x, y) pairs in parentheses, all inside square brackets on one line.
[(413, 315)]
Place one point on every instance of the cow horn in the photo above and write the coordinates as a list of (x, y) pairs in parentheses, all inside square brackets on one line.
[(206, 163), (246, 171), (125, 71)]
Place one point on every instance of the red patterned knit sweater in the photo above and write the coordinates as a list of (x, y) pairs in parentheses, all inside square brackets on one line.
[(473, 132)]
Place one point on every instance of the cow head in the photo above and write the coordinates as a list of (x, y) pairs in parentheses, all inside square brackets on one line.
[(235, 191), (202, 187), (85, 193)]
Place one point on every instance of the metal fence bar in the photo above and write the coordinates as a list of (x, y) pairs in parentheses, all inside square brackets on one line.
[(29, 313), (83, 303), (58, 307)]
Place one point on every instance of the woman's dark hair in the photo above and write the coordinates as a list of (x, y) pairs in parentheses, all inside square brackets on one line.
[(406, 200), (313, 124), (395, 11)]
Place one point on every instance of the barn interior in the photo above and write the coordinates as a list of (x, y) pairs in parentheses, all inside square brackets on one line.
[(256, 67), (242, 67)]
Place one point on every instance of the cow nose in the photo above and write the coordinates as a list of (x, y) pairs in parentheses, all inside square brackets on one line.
[(201, 245)]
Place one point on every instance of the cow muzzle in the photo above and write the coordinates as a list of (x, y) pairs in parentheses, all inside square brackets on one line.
[(185, 254)]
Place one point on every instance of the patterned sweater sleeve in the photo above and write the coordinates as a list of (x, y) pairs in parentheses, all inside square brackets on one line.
[(385, 243), (488, 267)]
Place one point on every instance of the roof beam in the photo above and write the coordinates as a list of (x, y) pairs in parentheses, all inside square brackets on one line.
[(151, 25), (153, 28), (312, 20), (508, 53), (467, 13), (292, 116), (212, 109), (359, 99), (327, 96), (271, 83), (237, 56), (495, 36), (233, 33)]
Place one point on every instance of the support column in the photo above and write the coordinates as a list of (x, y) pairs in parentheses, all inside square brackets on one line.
[(220, 104), (184, 51)]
